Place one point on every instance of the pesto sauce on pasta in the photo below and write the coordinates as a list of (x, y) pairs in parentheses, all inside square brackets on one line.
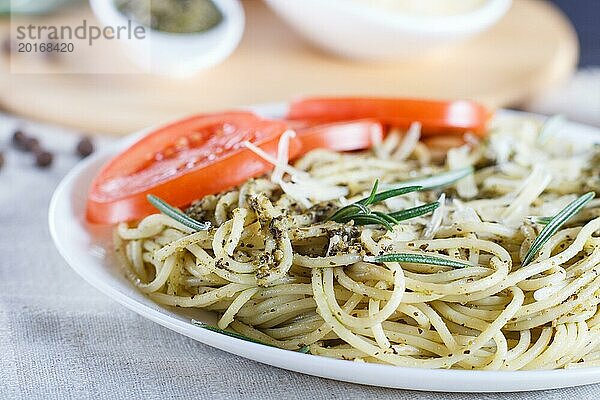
[(276, 270)]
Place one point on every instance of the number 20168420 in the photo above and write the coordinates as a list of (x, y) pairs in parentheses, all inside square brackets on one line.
[(26, 47)]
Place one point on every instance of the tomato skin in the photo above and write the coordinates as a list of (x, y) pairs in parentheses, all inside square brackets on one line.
[(128, 202), (436, 117), (340, 136)]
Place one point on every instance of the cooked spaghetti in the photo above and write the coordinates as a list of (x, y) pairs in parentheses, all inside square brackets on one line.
[(489, 260)]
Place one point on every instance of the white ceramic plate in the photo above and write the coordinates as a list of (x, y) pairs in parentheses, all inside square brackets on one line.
[(87, 249)]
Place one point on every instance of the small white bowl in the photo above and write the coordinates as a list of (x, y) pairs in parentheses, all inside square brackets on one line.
[(357, 30), (179, 55)]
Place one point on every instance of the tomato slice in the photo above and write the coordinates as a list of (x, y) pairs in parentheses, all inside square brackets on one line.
[(436, 117), (182, 162), (341, 136), (203, 154)]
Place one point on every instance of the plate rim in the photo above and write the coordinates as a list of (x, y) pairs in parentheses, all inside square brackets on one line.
[(439, 380)]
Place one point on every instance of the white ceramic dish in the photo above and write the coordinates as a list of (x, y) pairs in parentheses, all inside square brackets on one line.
[(179, 55), (87, 249), (356, 30)]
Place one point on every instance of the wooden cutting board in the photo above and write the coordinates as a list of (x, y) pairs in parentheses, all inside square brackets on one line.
[(533, 48)]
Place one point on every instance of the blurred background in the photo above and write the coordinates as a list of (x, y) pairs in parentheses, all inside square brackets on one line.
[(206, 55)]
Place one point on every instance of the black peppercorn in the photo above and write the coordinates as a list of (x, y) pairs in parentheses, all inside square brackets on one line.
[(7, 46), (85, 147), (19, 139), (31, 144), (43, 159)]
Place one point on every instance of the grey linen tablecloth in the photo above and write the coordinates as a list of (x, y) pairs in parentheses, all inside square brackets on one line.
[(62, 339)]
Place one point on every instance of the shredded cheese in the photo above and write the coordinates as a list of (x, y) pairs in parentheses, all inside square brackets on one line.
[(436, 219), (409, 142), (301, 187)]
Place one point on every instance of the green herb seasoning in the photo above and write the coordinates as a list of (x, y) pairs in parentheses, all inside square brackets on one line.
[(173, 16)]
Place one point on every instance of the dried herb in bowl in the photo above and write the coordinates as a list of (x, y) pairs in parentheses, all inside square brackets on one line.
[(172, 16)]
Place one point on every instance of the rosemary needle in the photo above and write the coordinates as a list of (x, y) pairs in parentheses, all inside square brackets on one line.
[(177, 215), (555, 223), (417, 259), (303, 349)]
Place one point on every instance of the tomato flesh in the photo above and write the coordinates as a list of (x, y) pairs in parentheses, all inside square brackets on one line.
[(183, 162), (436, 117)]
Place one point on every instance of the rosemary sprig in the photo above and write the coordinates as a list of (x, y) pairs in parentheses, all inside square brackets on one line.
[(417, 259), (387, 217), (362, 215), (370, 219), (177, 215), (371, 198), (346, 213), (388, 194), (555, 223), (435, 181), (414, 212), (351, 209), (303, 349)]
